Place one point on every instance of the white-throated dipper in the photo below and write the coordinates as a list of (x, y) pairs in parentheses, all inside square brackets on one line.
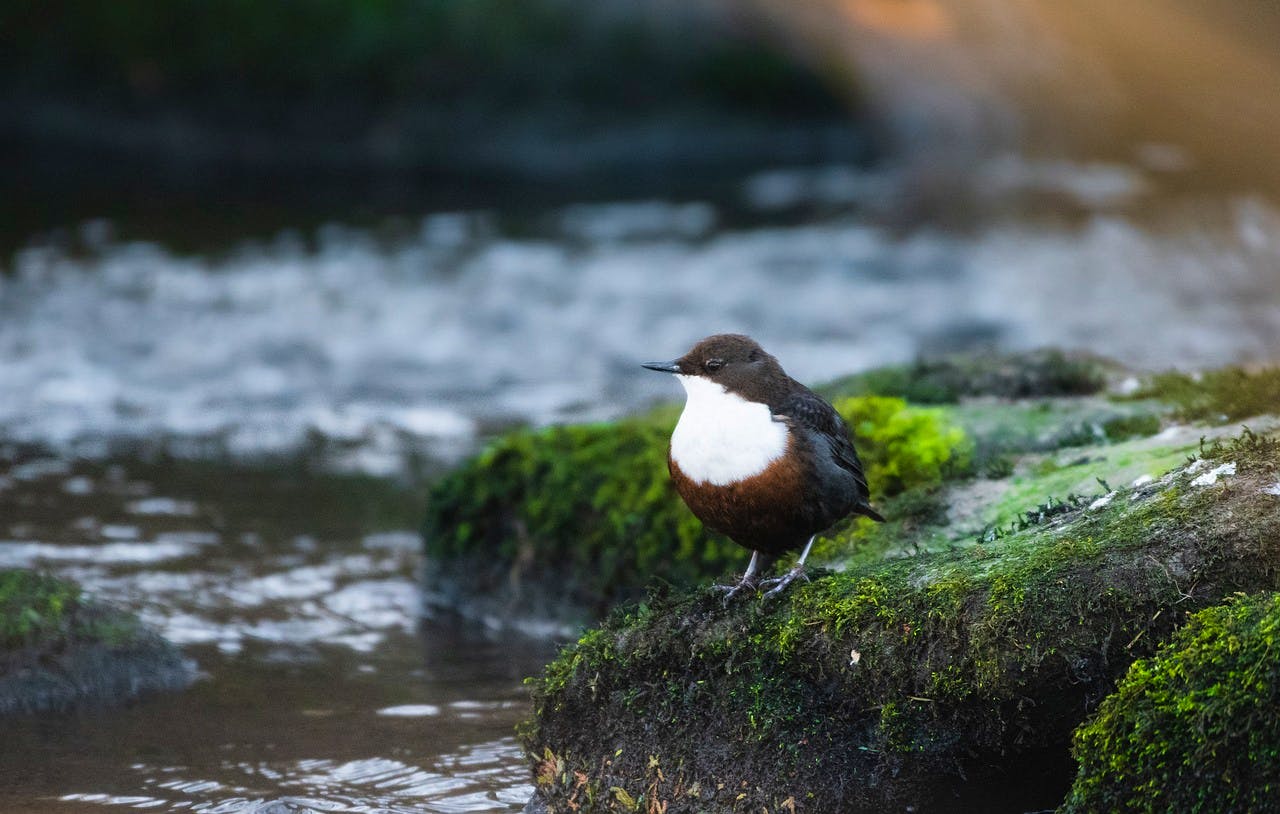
[(759, 457)]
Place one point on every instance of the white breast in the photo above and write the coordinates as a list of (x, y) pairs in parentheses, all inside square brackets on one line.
[(722, 438)]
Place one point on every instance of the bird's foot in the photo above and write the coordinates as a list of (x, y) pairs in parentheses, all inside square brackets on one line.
[(780, 583), (745, 585)]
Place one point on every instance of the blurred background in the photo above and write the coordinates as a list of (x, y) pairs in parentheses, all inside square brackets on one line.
[(267, 268)]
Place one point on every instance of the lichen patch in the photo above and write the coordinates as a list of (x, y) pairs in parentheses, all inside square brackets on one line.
[(1211, 477), (1105, 500)]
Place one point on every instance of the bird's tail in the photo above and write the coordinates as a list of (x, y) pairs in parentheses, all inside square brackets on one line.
[(867, 511)]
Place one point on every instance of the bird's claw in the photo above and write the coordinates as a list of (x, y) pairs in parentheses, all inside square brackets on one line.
[(780, 583), (731, 591)]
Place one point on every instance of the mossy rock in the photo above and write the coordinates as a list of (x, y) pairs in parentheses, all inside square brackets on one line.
[(947, 379), (1196, 728), (59, 649), (1228, 394), (565, 522), (947, 681)]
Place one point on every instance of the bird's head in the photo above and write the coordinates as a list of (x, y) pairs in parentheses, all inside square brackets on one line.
[(734, 361)]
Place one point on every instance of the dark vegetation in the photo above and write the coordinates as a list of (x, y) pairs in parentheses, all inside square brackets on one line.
[(1122, 428), (906, 682), (236, 55), (59, 650), (36, 610), (209, 121), (481, 92)]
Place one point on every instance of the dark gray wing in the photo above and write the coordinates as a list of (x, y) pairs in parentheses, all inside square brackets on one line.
[(811, 411)]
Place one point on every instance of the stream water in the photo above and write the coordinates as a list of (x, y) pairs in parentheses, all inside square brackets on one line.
[(233, 442), (319, 687), (389, 346)]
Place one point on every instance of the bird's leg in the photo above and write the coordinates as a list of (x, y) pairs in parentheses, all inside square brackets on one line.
[(749, 580), (780, 583), (750, 576)]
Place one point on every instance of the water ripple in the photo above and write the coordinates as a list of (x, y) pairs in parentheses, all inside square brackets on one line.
[(485, 777)]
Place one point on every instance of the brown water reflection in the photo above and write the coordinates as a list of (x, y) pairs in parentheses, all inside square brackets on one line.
[(319, 690)]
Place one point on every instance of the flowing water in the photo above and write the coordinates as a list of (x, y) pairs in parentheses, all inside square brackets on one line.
[(394, 346), (232, 442)]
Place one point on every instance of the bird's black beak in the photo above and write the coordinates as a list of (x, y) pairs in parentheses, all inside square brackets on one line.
[(662, 367)]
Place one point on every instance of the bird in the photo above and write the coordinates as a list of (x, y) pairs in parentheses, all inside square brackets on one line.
[(759, 457)]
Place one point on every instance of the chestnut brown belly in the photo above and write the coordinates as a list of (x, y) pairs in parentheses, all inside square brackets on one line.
[(770, 512)]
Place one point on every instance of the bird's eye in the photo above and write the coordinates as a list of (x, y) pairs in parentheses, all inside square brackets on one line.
[(713, 365)]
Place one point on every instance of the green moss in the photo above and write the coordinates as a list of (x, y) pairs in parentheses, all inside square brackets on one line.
[(918, 459), (1228, 394), (1123, 428), (34, 608), (904, 682), (903, 447), (1195, 727), (1248, 445), (60, 650), (42, 614), (592, 506), (1073, 472), (1044, 425)]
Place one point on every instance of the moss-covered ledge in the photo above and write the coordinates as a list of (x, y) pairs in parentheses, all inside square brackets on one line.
[(548, 529), (1197, 727), (60, 649), (563, 523), (941, 681)]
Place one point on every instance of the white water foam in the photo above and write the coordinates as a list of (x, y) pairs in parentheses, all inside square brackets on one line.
[(387, 348)]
